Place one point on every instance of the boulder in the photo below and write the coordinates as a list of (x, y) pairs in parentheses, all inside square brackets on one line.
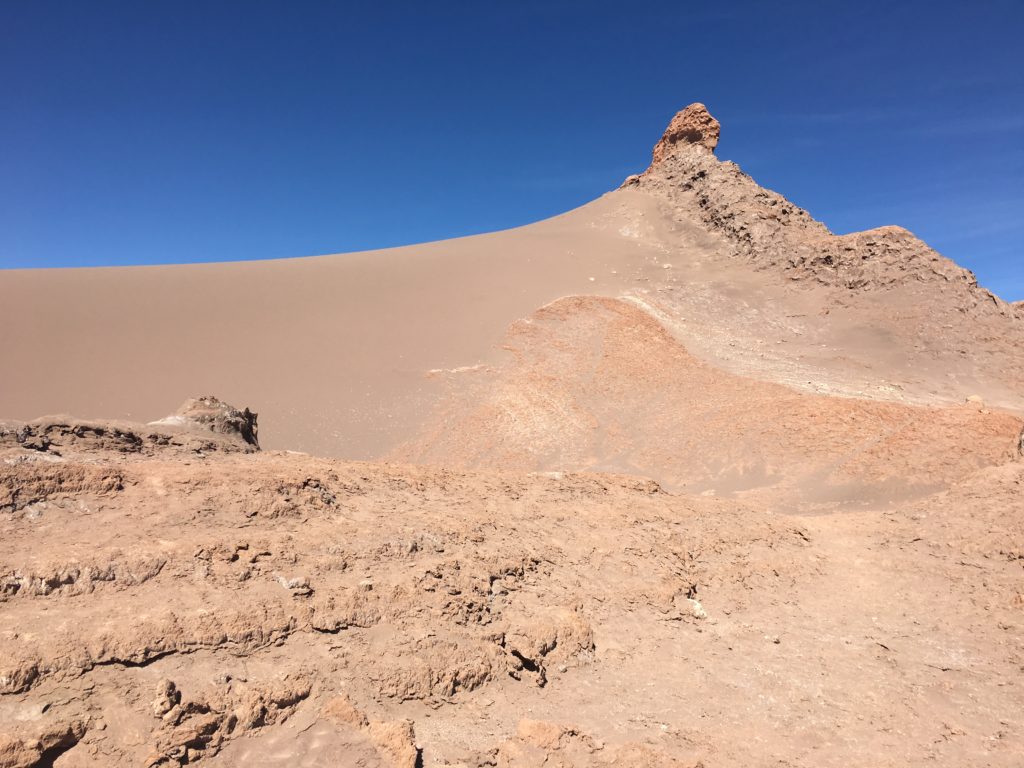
[(214, 415)]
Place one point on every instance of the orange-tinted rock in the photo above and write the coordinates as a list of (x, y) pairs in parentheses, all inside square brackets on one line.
[(693, 125)]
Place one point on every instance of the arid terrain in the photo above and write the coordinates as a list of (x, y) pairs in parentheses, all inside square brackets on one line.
[(678, 478)]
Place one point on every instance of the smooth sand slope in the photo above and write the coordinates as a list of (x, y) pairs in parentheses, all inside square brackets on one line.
[(333, 351), (336, 352)]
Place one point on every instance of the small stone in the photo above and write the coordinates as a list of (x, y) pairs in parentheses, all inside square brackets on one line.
[(298, 585), (696, 609), (167, 697), (210, 413)]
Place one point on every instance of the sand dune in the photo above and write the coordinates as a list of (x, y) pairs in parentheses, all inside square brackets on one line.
[(333, 351), (336, 352)]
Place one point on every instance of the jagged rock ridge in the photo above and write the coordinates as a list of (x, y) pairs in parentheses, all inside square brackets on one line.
[(772, 233)]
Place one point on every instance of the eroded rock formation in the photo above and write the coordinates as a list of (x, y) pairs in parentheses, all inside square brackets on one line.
[(214, 415), (772, 233)]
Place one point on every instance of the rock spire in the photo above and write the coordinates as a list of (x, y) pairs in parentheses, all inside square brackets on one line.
[(693, 125)]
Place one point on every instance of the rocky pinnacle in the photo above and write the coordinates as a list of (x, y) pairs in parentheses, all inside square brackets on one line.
[(693, 125)]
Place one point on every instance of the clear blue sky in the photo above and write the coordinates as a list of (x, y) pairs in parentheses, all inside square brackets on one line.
[(144, 132)]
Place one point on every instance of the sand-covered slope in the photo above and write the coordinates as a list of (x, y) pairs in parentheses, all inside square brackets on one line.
[(334, 351), (337, 351)]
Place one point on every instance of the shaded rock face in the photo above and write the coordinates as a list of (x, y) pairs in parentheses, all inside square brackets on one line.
[(22, 747), (201, 425), (693, 125), (53, 436), (208, 412)]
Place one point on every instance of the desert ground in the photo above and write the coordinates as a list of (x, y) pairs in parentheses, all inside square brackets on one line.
[(678, 478)]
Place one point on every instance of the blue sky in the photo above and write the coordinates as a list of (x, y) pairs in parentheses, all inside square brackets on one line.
[(208, 131)]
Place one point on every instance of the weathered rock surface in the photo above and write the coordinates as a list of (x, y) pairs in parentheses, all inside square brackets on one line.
[(231, 608), (693, 126), (538, 743), (394, 740), (28, 745), (201, 425), (770, 232), (209, 413)]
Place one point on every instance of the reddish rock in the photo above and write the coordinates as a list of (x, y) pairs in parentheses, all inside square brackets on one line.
[(691, 126)]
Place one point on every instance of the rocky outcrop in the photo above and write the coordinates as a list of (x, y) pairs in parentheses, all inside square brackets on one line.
[(201, 425), (191, 729), (393, 740), (771, 233), (25, 746), (692, 126), (214, 415)]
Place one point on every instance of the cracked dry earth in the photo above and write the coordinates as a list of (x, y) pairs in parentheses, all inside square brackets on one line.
[(165, 603)]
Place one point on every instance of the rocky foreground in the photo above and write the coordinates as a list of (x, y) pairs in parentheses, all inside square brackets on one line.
[(170, 595)]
